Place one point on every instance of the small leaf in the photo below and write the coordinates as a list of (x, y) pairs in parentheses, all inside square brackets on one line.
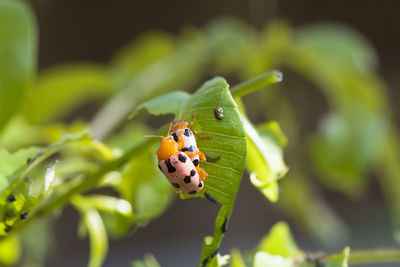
[(96, 230), (339, 260), (265, 157), (117, 213), (148, 261), (237, 259), (18, 53), (264, 259), (164, 104), (279, 241), (219, 260), (12, 163)]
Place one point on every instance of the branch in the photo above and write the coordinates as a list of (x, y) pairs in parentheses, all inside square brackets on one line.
[(374, 255), (256, 83)]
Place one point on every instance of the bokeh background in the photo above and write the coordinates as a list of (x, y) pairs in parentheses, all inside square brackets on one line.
[(72, 30)]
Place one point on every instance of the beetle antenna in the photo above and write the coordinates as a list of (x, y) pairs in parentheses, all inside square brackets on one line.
[(150, 136)]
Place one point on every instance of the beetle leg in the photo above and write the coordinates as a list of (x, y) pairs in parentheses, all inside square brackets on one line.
[(202, 173)]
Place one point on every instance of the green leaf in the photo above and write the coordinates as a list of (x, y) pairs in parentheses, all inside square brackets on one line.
[(265, 157), (164, 104), (264, 259), (18, 53), (140, 54), (279, 241), (219, 260), (97, 232), (225, 152), (144, 186), (237, 259), (61, 89), (148, 261), (12, 163), (9, 250), (339, 260), (117, 213), (342, 152)]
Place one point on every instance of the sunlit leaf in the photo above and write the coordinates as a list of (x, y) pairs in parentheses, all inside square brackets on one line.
[(339, 260), (237, 259), (265, 157), (117, 213), (61, 89), (225, 151), (14, 134), (18, 53), (164, 104), (279, 241), (265, 259), (148, 261), (96, 230), (218, 260)]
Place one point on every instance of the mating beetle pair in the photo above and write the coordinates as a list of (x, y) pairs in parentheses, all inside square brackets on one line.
[(179, 158)]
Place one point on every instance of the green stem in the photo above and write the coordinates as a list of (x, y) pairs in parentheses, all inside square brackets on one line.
[(87, 182), (374, 255), (256, 83)]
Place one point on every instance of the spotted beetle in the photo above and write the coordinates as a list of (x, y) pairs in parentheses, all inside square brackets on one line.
[(182, 174)]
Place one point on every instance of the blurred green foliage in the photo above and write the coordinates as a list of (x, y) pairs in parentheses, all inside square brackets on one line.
[(47, 162)]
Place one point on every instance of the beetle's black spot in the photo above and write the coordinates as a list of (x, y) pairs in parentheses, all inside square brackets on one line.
[(187, 179), (169, 166), (176, 185), (11, 198), (192, 172), (223, 227), (210, 198), (193, 192), (175, 136), (23, 215), (30, 160), (214, 253), (196, 162), (190, 149), (159, 167), (200, 184), (182, 158), (187, 132), (204, 263)]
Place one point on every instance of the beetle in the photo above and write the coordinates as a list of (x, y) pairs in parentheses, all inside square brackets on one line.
[(182, 174)]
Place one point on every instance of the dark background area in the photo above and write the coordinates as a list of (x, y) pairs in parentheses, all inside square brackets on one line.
[(72, 30)]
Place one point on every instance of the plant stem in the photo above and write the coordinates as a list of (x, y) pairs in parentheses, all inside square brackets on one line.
[(87, 182), (374, 255), (256, 83)]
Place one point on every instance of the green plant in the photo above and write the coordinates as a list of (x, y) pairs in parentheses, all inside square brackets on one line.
[(47, 163)]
